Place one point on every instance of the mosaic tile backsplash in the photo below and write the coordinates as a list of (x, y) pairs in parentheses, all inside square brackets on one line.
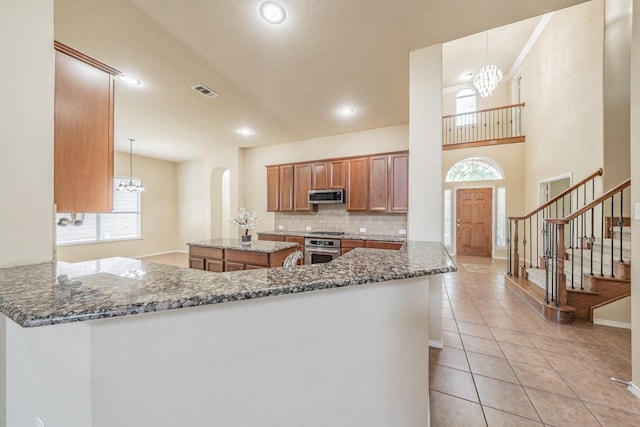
[(336, 218)]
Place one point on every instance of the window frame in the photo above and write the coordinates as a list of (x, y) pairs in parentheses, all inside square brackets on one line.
[(468, 117)]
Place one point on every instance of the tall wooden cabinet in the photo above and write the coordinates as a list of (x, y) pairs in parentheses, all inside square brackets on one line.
[(399, 182), (286, 188), (83, 132), (357, 184), (273, 188), (378, 183), (301, 187)]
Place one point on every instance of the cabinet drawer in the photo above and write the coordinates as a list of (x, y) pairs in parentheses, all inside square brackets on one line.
[(233, 266), (382, 245), (198, 251), (271, 237), (352, 243), (295, 239), (253, 258)]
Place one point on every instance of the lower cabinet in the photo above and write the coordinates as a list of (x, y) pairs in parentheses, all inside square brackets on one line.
[(220, 260), (376, 244)]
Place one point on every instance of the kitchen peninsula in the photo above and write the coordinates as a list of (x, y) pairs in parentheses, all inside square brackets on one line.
[(213, 350)]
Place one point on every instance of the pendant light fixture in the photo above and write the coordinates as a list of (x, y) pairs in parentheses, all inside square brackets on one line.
[(130, 184), (487, 79)]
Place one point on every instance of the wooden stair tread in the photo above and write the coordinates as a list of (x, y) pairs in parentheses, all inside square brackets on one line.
[(534, 297)]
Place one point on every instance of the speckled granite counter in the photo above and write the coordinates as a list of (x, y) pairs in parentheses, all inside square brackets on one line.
[(349, 236), (45, 294), (263, 246)]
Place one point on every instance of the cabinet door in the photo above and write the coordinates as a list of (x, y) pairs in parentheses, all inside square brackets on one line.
[(215, 265), (300, 247), (273, 188), (378, 181), (197, 263), (233, 266), (399, 182), (271, 237), (83, 134), (319, 176), (336, 175), (301, 186), (356, 184), (286, 188), (374, 244)]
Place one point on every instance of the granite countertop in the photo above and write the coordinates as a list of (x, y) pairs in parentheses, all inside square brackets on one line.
[(52, 293), (347, 236), (263, 246)]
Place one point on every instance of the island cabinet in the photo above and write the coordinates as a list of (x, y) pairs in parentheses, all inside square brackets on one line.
[(231, 256), (271, 237), (83, 132), (208, 259), (357, 184)]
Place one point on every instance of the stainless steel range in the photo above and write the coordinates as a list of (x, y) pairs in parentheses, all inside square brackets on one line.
[(322, 248)]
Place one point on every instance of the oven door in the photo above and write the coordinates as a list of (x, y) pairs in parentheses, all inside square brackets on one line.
[(319, 255)]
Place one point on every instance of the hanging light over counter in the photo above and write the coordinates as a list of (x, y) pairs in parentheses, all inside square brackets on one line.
[(130, 184)]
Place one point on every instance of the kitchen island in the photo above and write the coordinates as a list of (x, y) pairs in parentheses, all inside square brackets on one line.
[(340, 344), (220, 255)]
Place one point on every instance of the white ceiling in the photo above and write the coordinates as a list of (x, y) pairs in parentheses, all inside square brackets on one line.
[(284, 81)]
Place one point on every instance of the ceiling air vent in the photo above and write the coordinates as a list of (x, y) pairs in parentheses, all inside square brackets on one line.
[(205, 91)]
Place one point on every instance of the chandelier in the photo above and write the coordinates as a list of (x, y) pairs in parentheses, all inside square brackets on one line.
[(130, 184), (487, 79)]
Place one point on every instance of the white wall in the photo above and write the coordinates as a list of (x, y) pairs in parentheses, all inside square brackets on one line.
[(158, 213), (26, 142), (254, 193), (562, 88), (635, 194)]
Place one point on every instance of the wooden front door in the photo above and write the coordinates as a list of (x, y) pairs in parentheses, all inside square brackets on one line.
[(473, 221)]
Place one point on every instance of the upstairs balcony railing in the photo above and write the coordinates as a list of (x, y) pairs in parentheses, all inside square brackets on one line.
[(501, 125)]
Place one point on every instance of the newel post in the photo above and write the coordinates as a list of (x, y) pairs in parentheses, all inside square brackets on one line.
[(561, 278), (515, 259)]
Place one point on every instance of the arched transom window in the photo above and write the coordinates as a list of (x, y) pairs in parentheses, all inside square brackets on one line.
[(475, 169)]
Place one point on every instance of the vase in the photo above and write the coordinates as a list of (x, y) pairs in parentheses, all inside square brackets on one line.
[(246, 239)]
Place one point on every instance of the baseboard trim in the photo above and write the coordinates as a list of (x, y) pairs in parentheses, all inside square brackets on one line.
[(436, 344), (612, 323), (634, 389), (161, 253)]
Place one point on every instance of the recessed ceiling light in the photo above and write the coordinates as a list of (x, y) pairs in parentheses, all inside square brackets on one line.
[(128, 79), (245, 131), (272, 12), (346, 111)]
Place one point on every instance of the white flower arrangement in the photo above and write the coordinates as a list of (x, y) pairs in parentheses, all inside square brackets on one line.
[(246, 220)]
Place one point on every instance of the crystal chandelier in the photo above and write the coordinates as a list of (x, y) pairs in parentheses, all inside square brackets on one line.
[(130, 184), (487, 79)]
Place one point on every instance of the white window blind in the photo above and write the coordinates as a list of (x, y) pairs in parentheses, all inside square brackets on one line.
[(447, 217), (122, 224)]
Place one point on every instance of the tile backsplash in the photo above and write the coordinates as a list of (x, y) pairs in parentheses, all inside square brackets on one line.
[(336, 218)]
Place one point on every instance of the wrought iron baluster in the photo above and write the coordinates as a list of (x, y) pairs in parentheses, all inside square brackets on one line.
[(537, 239), (612, 216), (524, 245), (602, 240), (509, 250), (547, 255), (531, 244), (621, 222)]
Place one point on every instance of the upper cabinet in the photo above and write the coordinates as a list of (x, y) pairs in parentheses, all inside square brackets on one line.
[(357, 184), (376, 183), (83, 133)]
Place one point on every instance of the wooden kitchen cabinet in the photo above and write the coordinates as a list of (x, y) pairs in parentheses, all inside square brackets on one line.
[(357, 184), (336, 175), (273, 188), (378, 183), (219, 260), (271, 237), (209, 259), (378, 244), (350, 244), (285, 198), (319, 176), (300, 241), (301, 187), (83, 132), (399, 182)]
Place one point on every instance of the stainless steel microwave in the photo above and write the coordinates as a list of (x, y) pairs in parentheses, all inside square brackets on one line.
[(317, 197)]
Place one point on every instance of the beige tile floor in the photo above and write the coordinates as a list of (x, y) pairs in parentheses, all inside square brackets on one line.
[(503, 365), (179, 259)]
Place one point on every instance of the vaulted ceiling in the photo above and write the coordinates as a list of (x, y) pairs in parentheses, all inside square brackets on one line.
[(287, 81)]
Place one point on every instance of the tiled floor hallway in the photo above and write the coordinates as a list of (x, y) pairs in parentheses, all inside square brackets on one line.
[(502, 365)]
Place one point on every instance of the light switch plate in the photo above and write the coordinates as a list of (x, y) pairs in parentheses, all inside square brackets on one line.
[(281, 227), (307, 228), (402, 231), (363, 230), (636, 213)]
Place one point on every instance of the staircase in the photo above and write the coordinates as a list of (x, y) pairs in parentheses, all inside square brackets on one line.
[(565, 281)]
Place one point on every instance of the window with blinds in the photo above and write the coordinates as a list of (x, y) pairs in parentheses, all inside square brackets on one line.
[(122, 224)]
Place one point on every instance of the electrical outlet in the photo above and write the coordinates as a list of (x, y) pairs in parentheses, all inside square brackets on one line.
[(307, 228), (403, 231), (39, 422), (363, 230), (281, 227)]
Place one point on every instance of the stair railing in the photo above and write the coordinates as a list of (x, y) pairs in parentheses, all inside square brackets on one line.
[(533, 230), (589, 232)]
